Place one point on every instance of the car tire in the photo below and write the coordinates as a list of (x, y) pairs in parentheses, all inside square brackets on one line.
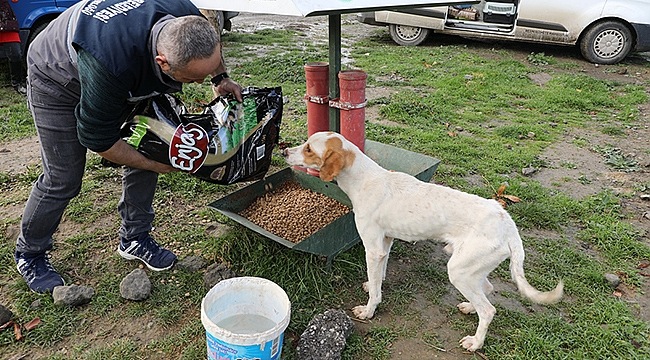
[(606, 43), (408, 35), (32, 34)]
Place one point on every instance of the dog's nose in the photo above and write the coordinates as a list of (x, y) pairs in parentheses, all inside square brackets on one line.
[(285, 152)]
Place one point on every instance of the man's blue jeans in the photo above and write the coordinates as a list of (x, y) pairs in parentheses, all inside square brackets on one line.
[(52, 105)]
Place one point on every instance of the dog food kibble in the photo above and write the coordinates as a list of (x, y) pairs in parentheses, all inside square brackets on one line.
[(293, 212)]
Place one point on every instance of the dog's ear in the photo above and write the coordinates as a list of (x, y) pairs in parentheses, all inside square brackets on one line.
[(333, 162)]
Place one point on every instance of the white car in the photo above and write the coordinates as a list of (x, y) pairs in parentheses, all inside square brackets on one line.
[(606, 31)]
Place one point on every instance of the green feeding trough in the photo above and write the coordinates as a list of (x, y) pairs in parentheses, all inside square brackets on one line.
[(340, 234)]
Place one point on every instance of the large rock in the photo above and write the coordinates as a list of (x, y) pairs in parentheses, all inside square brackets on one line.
[(136, 286), (5, 315), (325, 337), (72, 295)]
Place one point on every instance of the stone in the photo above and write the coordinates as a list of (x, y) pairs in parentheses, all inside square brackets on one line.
[(36, 304), (528, 171), (215, 273), (191, 263), (613, 279), (73, 295), (5, 315), (136, 286), (325, 336)]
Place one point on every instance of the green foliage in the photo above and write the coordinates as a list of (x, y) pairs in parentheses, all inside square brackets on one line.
[(15, 119), (541, 59), (481, 115)]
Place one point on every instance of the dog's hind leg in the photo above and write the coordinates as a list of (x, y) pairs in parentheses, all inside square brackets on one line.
[(376, 260), (467, 307), (470, 279)]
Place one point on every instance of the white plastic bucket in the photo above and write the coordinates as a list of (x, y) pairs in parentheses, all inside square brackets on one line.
[(245, 318)]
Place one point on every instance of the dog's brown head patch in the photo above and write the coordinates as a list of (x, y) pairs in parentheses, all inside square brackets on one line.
[(334, 159)]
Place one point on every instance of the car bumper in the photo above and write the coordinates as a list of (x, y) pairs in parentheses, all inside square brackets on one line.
[(369, 18), (642, 37)]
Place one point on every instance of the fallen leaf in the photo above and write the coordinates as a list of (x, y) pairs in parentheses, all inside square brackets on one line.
[(512, 198), (32, 324), (452, 134), (18, 332), (501, 190), (617, 293), (643, 265), (6, 325)]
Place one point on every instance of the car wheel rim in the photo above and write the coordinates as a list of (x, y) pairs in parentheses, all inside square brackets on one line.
[(408, 33), (609, 43)]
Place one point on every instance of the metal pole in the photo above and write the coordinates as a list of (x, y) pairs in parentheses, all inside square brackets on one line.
[(335, 67)]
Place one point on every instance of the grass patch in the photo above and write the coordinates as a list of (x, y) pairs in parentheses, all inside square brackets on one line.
[(481, 115)]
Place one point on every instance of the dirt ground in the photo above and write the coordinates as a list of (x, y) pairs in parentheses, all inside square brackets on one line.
[(586, 164)]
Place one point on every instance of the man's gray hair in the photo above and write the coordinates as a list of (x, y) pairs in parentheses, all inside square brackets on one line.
[(187, 38)]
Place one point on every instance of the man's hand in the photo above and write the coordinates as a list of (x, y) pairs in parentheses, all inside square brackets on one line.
[(228, 86), (124, 154)]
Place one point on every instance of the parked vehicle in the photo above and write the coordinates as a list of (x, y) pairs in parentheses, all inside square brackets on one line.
[(606, 31), (34, 15)]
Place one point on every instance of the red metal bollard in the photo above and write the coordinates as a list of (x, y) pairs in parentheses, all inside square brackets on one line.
[(317, 97), (352, 102)]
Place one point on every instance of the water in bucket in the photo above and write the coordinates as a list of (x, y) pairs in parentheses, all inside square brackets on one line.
[(247, 324), (245, 318)]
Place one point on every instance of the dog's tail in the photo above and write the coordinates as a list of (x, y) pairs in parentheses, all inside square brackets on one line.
[(517, 273)]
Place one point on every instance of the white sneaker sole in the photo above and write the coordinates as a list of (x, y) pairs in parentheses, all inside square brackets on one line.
[(128, 256)]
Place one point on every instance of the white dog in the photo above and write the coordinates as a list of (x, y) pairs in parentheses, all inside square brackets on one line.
[(479, 233)]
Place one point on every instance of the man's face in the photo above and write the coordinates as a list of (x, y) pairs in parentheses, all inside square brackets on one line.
[(195, 71)]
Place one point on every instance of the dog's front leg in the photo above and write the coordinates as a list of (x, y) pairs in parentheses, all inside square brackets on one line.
[(388, 243), (375, 266)]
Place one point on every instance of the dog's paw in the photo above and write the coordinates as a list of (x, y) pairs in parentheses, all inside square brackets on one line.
[(466, 308), (363, 312), (470, 343), (365, 286)]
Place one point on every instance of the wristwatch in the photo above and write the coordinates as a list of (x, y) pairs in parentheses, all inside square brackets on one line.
[(216, 80)]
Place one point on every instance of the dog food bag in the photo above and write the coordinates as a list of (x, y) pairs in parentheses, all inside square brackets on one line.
[(228, 142)]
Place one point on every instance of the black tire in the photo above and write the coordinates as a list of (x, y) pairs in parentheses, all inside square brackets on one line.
[(35, 31), (408, 35), (32, 35), (608, 42)]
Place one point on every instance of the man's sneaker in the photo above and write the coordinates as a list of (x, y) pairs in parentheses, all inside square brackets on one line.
[(38, 273), (21, 89), (147, 250)]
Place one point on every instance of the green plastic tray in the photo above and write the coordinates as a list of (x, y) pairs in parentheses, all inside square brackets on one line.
[(340, 234)]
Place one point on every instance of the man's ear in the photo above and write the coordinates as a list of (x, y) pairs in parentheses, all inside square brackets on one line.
[(161, 60), (333, 162)]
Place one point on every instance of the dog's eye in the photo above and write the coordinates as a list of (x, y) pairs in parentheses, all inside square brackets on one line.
[(307, 149)]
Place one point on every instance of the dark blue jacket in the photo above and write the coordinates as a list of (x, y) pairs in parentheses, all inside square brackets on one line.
[(118, 34)]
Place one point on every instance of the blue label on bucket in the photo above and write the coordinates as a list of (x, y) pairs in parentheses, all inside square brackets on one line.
[(221, 350)]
